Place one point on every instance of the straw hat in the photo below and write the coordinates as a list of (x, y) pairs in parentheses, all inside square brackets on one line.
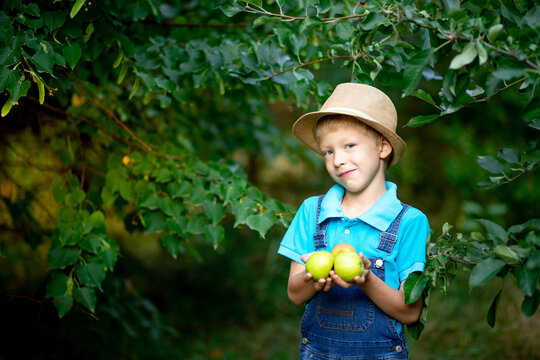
[(363, 102)]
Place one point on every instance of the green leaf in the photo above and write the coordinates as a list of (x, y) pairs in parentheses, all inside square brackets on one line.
[(504, 252), (108, 258), (72, 53), (509, 155), (231, 9), (414, 286), (490, 164), (494, 229), (484, 271), (466, 57), (76, 7), (53, 19), (91, 243), (492, 312), (63, 304), (59, 190), (257, 3), (422, 120), (7, 107), (214, 210), (59, 288), (533, 262), (508, 73), (62, 257), (215, 234), (415, 329), (530, 303), (298, 41), (177, 224), (86, 296), (172, 244), (482, 53), (91, 274), (261, 222), (56, 286), (415, 67), (527, 280), (196, 224), (97, 220), (494, 32), (43, 62), (242, 209), (345, 30), (155, 221), (421, 94)]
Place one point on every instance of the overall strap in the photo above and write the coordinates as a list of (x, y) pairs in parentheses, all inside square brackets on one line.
[(319, 238), (388, 238)]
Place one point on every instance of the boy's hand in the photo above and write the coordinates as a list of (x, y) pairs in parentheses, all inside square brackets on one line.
[(321, 284), (358, 280)]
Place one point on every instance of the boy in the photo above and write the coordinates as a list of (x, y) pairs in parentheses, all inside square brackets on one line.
[(355, 133)]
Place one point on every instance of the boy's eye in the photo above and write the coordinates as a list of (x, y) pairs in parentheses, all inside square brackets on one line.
[(327, 152), (349, 146)]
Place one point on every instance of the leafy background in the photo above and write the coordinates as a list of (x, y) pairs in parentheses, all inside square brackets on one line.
[(148, 170)]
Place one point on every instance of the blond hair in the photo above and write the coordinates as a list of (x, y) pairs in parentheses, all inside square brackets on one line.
[(331, 123)]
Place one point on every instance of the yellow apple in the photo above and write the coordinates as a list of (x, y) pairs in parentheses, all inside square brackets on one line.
[(342, 247), (348, 264), (319, 264)]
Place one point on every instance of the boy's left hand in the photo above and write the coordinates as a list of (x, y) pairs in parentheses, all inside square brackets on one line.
[(358, 280)]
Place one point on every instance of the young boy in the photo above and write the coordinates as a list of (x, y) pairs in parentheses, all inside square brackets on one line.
[(355, 133)]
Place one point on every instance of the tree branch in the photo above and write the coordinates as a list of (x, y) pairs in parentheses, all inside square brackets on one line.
[(307, 64), (196, 25), (451, 36), (107, 132), (109, 112), (461, 261), (294, 18)]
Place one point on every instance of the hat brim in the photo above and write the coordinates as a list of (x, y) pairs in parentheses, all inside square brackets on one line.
[(304, 129)]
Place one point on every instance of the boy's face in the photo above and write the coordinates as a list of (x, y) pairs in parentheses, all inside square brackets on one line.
[(353, 158)]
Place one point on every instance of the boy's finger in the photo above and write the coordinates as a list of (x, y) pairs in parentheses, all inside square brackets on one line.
[(306, 257)]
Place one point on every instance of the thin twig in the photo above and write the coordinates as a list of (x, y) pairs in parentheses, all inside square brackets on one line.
[(107, 132), (307, 64), (283, 16), (41, 301), (109, 112), (195, 25), (460, 260)]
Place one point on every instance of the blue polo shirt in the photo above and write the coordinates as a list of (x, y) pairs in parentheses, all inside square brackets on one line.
[(408, 254)]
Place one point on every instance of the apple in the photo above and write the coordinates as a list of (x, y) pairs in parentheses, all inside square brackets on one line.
[(342, 247), (319, 264), (348, 264)]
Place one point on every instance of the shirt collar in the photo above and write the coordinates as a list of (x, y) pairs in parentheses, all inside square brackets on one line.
[(380, 215)]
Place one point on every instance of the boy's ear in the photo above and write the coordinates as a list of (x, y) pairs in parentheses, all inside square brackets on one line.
[(385, 148)]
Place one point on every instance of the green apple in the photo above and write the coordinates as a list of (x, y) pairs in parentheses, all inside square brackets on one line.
[(342, 247), (319, 264), (348, 264)]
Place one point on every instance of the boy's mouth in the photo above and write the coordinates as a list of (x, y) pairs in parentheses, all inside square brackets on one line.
[(345, 173)]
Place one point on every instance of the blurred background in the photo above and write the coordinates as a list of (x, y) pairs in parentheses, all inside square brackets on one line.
[(231, 302)]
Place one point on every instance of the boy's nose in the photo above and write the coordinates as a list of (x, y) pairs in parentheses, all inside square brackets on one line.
[(339, 158)]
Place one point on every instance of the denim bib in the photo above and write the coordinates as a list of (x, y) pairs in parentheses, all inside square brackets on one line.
[(345, 323)]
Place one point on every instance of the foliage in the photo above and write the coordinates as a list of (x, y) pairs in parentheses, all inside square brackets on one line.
[(152, 107)]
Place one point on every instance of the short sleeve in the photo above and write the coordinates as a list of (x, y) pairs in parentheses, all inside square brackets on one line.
[(298, 239), (413, 234)]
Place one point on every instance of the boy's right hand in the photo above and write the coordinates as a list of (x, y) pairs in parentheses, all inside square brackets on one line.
[(321, 284)]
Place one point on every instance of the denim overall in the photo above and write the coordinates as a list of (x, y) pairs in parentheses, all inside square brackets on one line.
[(345, 323)]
